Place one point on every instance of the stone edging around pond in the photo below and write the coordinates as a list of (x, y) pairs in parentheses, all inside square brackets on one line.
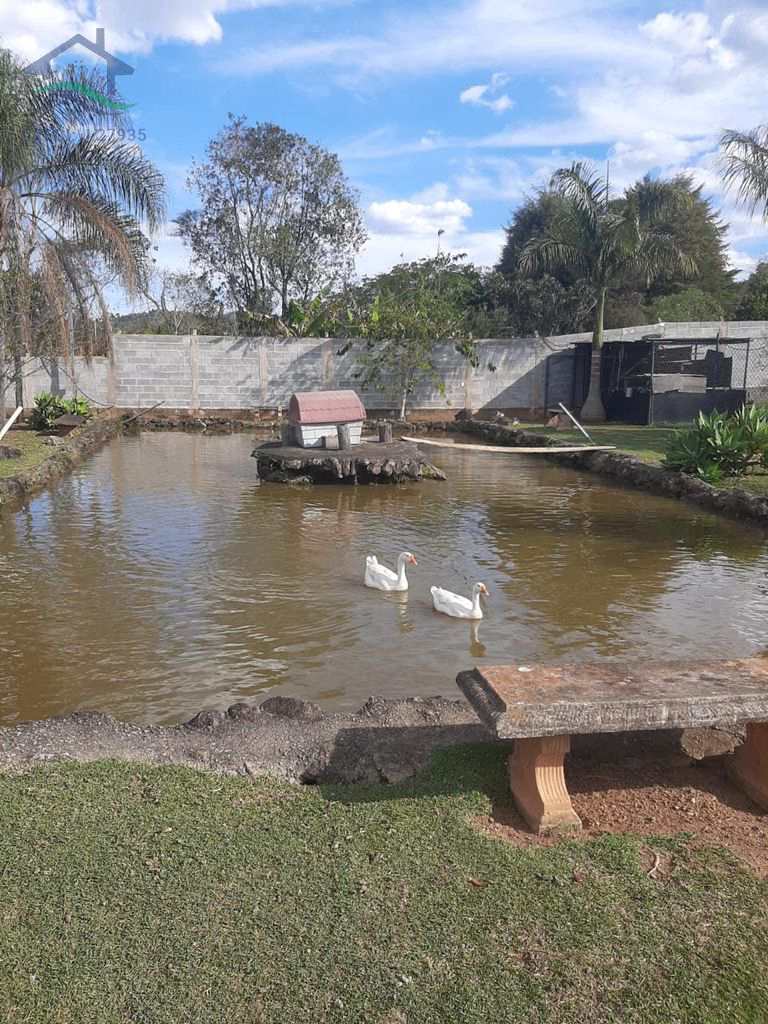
[(385, 741), (374, 462), (65, 454), (737, 503)]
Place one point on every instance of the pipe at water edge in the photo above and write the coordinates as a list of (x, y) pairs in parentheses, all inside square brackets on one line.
[(11, 421)]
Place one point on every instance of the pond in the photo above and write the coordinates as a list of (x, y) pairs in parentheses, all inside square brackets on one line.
[(159, 579)]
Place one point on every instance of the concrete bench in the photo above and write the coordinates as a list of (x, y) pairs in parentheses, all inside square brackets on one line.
[(542, 706)]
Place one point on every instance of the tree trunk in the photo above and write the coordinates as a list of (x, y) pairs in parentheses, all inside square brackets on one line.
[(18, 376), (593, 410), (3, 415), (403, 403)]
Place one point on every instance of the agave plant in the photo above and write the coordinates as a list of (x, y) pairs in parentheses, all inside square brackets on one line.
[(74, 200), (720, 444)]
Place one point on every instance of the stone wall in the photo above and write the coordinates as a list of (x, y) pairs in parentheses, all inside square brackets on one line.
[(521, 375)]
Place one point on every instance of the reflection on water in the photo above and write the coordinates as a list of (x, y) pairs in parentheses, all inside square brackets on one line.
[(159, 579)]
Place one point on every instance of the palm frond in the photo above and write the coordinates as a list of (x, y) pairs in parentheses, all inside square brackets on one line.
[(584, 189), (103, 166), (99, 226), (546, 254), (744, 165)]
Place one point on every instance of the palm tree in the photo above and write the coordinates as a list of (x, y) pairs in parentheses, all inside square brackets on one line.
[(74, 197), (605, 241), (745, 166)]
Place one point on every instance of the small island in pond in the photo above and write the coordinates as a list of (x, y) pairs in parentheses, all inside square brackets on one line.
[(322, 443), (374, 462)]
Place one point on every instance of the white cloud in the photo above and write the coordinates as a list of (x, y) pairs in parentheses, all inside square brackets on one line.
[(422, 215), (382, 251), (744, 262), (489, 95), (33, 27), (527, 34)]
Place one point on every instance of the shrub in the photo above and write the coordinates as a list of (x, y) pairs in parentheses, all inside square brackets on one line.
[(49, 407), (77, 406), (720, 444)]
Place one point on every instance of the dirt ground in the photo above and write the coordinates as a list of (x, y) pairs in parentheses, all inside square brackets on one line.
[(646, 796)]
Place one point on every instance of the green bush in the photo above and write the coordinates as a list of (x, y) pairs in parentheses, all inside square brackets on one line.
[(77, 406), (721, 444), (49, 407)]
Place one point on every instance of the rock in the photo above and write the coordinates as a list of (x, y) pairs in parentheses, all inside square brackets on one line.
[(368, 463), (701, 743), (243, 712), (208, 719), (53, 442), (292, 707), (7, 452)]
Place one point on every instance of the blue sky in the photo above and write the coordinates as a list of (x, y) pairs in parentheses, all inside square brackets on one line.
[(445, 114)]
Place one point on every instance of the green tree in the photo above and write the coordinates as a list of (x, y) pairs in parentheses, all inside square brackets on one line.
[(691, 304), (402, 316), (278, 221), (541, 301), (753, 301), (73, 199), (697, 229), (604, 242)]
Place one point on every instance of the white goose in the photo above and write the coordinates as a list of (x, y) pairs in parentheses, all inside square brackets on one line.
[(381, 578), (459, 607)]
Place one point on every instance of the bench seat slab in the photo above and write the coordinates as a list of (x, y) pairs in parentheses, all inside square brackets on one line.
[(537, 781), (748, 765), (564, 700)]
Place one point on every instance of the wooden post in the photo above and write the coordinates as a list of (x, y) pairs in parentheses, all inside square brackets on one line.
[(344, 435), (385, 431), (537, 781), (289, 434)]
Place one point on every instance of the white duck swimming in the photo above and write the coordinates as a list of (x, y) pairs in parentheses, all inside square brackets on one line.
[(459, 607), (381, 578)]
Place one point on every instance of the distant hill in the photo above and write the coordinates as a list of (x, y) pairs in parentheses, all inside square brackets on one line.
[(137, 323)]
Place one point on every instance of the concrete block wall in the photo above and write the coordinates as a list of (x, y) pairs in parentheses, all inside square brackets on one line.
[(233, 373)]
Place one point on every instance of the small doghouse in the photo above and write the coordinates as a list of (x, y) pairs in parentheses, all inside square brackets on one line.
[(315, 415)]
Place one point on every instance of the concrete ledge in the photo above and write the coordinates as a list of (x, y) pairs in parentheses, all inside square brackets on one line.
[(531, 701)]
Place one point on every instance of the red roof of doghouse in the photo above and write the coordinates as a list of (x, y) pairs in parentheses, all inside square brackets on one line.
[(312, 407)]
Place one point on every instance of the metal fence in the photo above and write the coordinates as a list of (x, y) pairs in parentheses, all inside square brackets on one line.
[(671, 380)]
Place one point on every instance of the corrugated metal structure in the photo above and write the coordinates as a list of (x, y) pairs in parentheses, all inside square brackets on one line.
[(315, 415)]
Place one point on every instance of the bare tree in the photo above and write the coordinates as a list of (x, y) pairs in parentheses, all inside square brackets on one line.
[(183, 301)]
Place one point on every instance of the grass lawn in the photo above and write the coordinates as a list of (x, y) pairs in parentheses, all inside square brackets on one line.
[(162, 896), (646, 443), (33, 452)]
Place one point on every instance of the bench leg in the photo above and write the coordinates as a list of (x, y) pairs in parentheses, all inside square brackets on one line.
[(537, 780), (748, 765)]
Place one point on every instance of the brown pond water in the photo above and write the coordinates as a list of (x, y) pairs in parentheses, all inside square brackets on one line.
[(159, 579)]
